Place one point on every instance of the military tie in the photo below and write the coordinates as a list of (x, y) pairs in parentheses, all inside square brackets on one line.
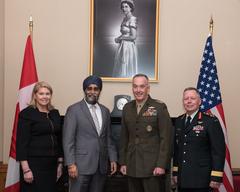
[(139, 107), (95, 119), (188, 121)]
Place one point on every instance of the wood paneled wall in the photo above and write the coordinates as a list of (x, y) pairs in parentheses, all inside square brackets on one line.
[(3, 172)]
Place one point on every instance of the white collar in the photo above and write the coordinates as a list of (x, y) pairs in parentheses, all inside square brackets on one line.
[(192, 116), (89, 105)]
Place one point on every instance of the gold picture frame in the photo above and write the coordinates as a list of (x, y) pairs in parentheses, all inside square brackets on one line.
[(115, 60)]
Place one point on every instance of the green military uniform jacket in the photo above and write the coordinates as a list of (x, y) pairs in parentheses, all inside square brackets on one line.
[(199, 151), (146, 138)]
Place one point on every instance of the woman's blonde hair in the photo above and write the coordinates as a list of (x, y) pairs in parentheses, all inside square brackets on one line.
[(38, 85)]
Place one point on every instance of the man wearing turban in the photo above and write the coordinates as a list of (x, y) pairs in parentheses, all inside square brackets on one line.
[(87, 140)]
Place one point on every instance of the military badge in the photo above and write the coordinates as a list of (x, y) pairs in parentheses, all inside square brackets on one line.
[(149, 128), (198, 128), (151, 111)]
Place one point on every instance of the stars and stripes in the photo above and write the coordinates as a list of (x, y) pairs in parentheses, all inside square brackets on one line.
[(209, 89)]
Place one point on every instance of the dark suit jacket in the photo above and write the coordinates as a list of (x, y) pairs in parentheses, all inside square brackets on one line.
[(145, 141), (199, 151), (81, 143), (38, 134)]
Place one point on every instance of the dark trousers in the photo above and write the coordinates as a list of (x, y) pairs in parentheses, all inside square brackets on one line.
[(195, 190), (87, 183), (149, 184)]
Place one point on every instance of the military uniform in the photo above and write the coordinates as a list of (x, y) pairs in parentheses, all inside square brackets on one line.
[(145, 141), (199, 151)]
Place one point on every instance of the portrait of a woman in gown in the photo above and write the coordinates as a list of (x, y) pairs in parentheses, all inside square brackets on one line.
[(126, 59)]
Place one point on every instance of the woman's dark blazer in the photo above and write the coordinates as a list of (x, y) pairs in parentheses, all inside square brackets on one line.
[(38, 134)]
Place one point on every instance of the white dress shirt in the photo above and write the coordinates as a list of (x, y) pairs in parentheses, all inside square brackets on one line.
[(98, 112)]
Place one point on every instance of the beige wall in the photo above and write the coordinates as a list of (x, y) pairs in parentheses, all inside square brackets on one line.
[(1, 73), (61, 43)]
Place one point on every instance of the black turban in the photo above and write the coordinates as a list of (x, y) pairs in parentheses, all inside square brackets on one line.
[(92, 79)]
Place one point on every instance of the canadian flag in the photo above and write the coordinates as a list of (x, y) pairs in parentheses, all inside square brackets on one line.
[(28, 79)]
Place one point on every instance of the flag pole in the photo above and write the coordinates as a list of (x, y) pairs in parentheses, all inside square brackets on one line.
[(27, 81), (211, 26), (30, 24)]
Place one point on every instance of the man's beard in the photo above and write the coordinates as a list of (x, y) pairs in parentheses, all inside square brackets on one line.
[(91, 98)]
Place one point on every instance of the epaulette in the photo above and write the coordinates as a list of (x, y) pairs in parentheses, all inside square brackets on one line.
[(209, 114)]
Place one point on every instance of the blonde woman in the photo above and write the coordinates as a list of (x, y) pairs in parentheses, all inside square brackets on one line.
[(39, 147)]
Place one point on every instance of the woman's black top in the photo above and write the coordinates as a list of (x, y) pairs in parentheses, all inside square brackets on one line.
[(38, 134)]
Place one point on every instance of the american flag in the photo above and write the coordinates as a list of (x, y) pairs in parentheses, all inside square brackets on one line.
[(209, 88)]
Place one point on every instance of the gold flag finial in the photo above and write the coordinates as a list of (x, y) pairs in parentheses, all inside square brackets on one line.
[(31, 25), (211, 26)]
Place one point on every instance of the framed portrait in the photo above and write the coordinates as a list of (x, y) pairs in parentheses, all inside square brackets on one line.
[(124, 39)]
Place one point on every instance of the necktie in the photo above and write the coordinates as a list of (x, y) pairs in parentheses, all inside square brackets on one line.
[(95, 119), (138, 108), (188, 121)]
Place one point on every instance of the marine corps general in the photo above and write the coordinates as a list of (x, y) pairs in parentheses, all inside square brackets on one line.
[(145, 142)]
